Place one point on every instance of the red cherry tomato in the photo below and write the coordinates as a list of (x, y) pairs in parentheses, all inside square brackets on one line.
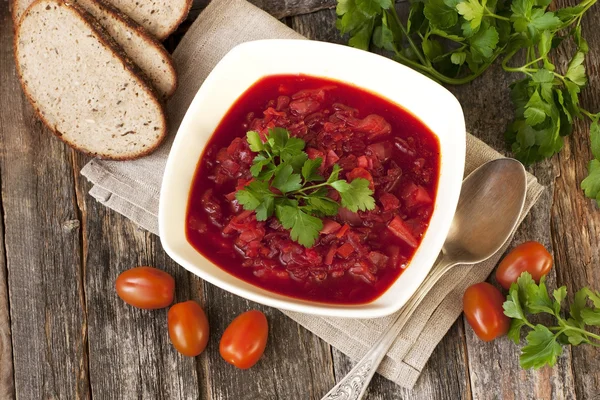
[(188, 328), (146, 287), (482, 304), (529, 257), (245, 339)]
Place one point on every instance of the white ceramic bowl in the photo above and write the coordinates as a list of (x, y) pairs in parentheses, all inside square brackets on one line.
[(242, 67)]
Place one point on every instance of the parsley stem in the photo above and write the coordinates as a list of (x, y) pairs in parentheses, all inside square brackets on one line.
[(491, 14), (582, 331), (417, 51), (310, 187), (588, 114)]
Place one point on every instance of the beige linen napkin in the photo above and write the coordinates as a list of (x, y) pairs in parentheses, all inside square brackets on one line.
[(132, 189)]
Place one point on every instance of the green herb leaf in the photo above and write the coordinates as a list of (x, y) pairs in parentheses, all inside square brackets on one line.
[(536, 109), (484, 42), (576, 71), (304, 228), (591, 184), (559, 295), (310, 170), (335, 173), (265, 208), (514, 332), (590, 317), (254, 141), (253, 194), (595, 297), (577, 306), (595, 138), (286, 181), (472, 11), (355, 196), (440, 14), (574, 338), (458, 58), (537, 299), (258, 164), (512, 305), (323, 205), (541, 349)]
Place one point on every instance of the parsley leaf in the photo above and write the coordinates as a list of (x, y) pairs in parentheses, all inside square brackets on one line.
[(484, 42), (541, 349), (440, 14), (310, 170), (472, 11), (286, 181), (595, 138), (253, 194), (355, 195), (254, 141), (304, 228), (576, 71), (258, 164), (323, 205), (591, 184)]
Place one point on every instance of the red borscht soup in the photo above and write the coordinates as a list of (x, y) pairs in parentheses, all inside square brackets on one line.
[(357, 255)]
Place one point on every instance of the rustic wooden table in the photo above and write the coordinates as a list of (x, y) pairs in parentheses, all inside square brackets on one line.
[(65, 334)]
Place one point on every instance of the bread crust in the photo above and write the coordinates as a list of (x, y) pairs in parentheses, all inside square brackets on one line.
[(180, 20), (151, 40), (118, 52)]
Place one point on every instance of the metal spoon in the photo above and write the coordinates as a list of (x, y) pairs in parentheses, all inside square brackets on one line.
[(490, 203)]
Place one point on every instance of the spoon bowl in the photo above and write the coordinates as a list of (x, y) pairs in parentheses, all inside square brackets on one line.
[(490, 203)]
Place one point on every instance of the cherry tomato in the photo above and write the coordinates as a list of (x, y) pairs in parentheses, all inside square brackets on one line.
[(482, 304), (529, 257), (146, 287), (188, 328), (245, 339)]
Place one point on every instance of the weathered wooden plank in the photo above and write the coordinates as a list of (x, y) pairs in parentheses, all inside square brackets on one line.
[(7, 387), (575, 220), (43, 255), (131, 355), (492, 366), (277, 8), (488, 110), (296, 364), (444, 377)]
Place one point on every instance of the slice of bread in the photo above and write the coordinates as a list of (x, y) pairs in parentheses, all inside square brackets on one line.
[(145, 51), (159, 17), (83, 86)]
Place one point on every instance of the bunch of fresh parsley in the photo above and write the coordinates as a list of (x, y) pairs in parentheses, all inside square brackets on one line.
[(288, 184), (544, 343), (455, 41)]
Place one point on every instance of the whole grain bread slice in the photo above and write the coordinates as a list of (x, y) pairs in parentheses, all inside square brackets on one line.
[(159, 17), (145, 51), (83, 86)]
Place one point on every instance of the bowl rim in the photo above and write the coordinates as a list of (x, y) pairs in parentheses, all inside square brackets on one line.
[(238, 286)]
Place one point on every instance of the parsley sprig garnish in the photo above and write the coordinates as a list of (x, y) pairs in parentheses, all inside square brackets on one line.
[(544, 343), (288, 184), (455, 41)]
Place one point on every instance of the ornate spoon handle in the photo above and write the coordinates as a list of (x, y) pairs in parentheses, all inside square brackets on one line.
[(355, 383)]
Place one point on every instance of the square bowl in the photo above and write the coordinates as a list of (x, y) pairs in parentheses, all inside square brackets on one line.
[(243, 66)]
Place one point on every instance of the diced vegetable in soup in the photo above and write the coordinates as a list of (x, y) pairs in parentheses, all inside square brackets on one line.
[(326, 199)]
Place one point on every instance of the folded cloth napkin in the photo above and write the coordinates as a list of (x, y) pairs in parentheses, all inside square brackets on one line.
[(132, 189)]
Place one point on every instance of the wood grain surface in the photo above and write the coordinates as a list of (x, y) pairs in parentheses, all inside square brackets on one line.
[(65, 334)]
